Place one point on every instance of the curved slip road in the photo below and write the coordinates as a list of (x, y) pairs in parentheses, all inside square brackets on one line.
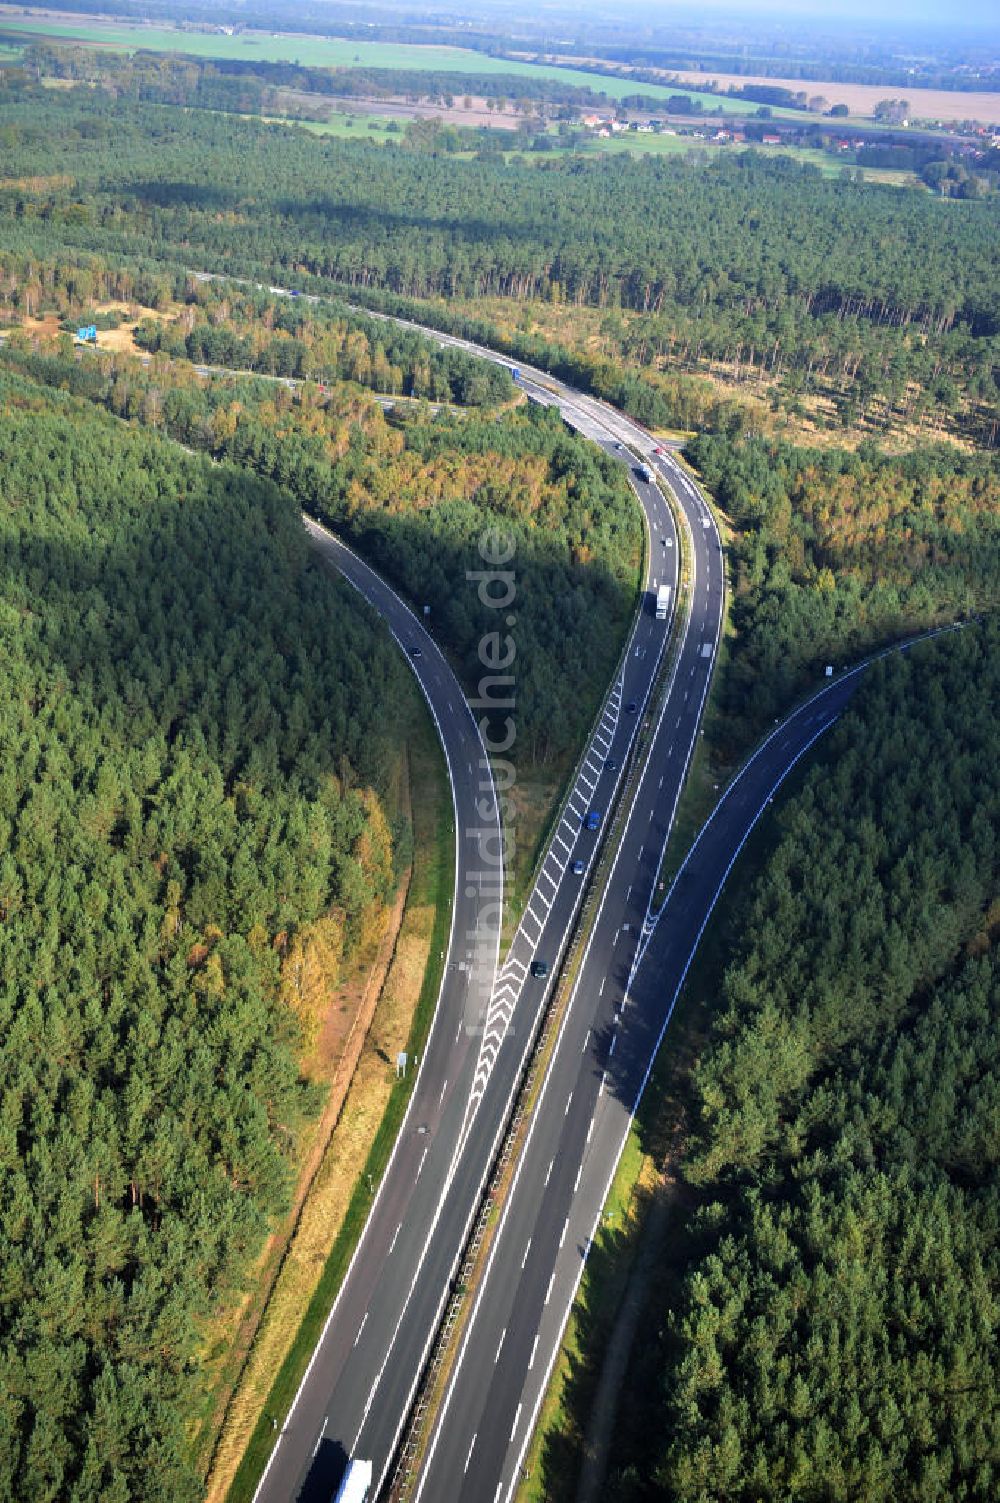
[(390, 1242), (622, 1004), (360, 1383)]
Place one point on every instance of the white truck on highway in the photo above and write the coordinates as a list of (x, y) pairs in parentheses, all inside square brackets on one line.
[(662, 602), (356, 1483)]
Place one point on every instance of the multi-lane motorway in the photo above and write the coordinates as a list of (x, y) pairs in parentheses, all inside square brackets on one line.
[(621, 1007), (359, 1386)]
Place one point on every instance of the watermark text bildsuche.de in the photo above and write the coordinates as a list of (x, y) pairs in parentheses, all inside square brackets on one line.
[(493, 704)]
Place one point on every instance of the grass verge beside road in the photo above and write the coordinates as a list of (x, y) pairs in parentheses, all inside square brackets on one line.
[(647, 1170), (372, 1116)]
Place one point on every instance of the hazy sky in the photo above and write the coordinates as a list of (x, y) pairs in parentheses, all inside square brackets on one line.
[(922, 13)]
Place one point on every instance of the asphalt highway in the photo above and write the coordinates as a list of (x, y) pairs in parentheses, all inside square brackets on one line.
[(622, 1003), (359, 1387), (390, 1244), (523, 1301), (360, 1383)]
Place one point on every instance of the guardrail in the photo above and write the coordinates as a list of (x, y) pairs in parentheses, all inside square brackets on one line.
[(443, 1351)]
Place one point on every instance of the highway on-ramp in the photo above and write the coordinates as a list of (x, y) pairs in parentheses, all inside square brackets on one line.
[(623, 1001), (390, 1243), (359, 1386)]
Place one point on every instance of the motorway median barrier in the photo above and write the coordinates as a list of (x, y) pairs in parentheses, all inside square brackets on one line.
[(444, 1350)]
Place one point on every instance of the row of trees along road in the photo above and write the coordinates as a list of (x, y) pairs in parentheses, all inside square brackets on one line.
[(826, 1326), (196, 729), (766, 265), (416, 493)]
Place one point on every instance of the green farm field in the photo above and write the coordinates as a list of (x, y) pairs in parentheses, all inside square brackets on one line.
[(642, 144), (329, 52), (362, 126), (346, 127)]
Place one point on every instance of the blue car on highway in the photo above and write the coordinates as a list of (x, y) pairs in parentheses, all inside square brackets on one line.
[(593, 820)]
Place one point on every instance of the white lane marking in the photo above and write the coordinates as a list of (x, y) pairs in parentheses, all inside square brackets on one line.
[(569, 1103), (331, 544), (319, 1438), (395, 1234), (576, 1182), (469, 1457), (513, 1428), (661, 782), (614, 1040), (443, 1089), (534, 1349), (503, 1335), (526, 1252), (548, 1171), (600, 1089), (421, 1164), (364, 1320), (565, 1229), (549, 1289), (590, 1129), (600, 992), (546, 1302)]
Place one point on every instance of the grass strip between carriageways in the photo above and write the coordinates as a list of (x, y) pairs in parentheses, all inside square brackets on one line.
[(515, 902), (651, 1149), (440, 1365)]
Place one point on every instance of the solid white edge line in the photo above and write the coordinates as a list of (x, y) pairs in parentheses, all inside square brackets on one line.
[(635, 1105), (337, 543), (607, 1190), (568, 1013)]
